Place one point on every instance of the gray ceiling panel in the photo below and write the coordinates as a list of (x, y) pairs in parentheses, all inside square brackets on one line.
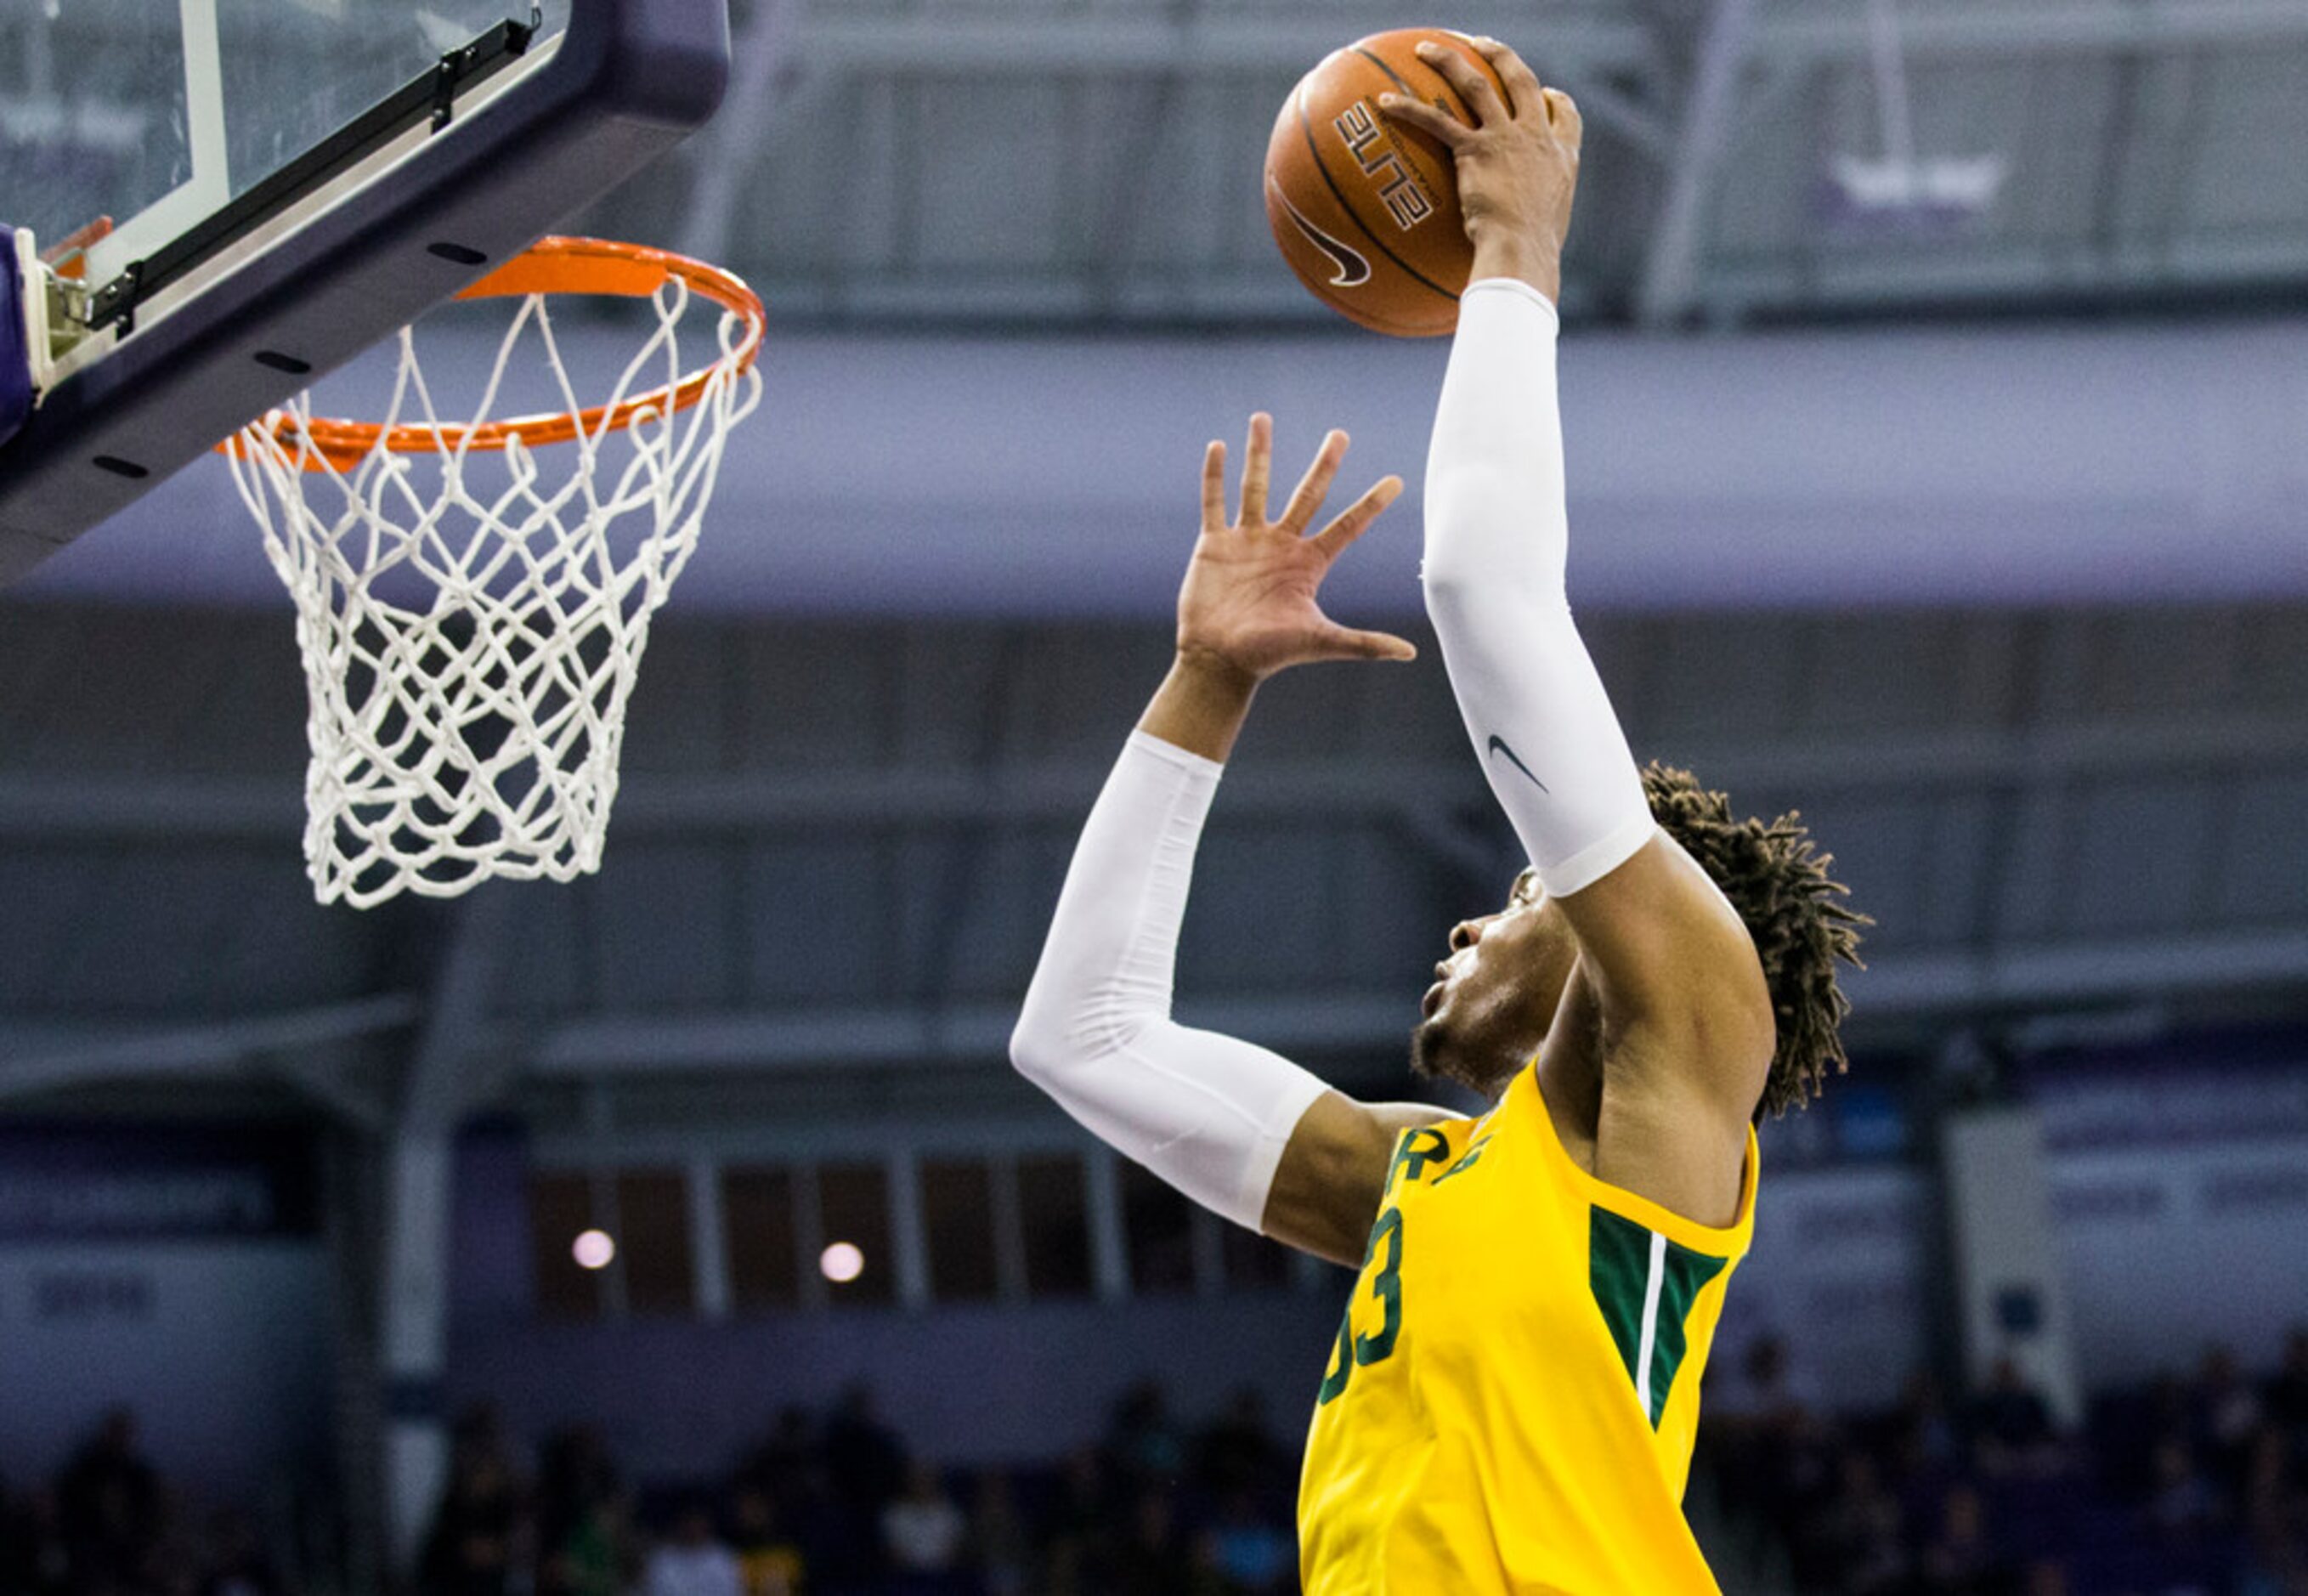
[(809, 696), (684, 701), (2272, 669), (664, 923), (988, 171), (153, 927), (546, 970), (1097, 163), (1000, 899), (2092, 830), (2153, 661), (1954, 892), (1883, 848), (1888, 673), (2250, 179), (2141, 856), (1752, 682), (1396, 908), (2264, 875), (821, 919), (1263, 890)]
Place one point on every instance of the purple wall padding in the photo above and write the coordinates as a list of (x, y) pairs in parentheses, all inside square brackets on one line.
[(15, 360), (974, 1384), (1041, 478)]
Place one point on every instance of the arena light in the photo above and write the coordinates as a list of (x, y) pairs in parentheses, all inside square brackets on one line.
[(1955, 183), (1902, 189), (841, 1262), (593, 1249)]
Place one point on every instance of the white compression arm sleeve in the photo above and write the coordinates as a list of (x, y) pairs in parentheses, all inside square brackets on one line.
[(1208, 1113), (1497, 532)]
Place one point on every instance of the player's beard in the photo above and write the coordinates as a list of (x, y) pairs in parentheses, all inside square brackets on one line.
[(1436, 1055), (1493, 1018)]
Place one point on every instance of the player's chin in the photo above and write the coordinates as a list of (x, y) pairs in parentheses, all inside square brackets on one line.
[(1424, 1051), (1434, 1056)]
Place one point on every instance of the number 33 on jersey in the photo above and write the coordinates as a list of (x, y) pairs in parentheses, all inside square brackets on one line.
[(1414, 1152), (1510, 1401)]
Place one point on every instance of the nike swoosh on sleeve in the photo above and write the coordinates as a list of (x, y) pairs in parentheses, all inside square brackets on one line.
[(1499, 745)]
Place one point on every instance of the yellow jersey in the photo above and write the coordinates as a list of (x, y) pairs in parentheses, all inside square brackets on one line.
[(1510, 1405)]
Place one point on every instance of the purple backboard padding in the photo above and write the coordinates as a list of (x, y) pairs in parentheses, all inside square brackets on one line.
[(632, 79), (15, 360)]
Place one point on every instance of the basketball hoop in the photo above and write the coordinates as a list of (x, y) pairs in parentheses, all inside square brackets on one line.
[(469, 645)]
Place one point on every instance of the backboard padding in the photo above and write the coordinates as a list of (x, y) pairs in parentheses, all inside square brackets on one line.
[(16, 324)]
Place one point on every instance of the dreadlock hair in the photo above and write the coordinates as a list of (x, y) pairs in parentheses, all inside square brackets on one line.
[(1779, 884)]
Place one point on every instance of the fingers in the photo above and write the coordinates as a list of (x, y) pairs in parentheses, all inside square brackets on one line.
[(1438, 124), (1315, 485), (1344, 642), (1356, 519), (1523, 93), (1562, 115), (1471, 82), (1214, 487), (1256, 461)]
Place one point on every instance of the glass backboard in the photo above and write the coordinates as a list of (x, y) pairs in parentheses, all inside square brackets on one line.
[(226, 199), (135, 120)]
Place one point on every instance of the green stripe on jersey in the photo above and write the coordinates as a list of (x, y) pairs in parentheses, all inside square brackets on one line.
[(1644, 1286), (1686, 1273), (1618, 1269)]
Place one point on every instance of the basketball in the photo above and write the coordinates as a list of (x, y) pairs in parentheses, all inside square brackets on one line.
[(1365, 209)]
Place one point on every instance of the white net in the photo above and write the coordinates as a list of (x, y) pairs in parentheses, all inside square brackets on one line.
[(472, 622)]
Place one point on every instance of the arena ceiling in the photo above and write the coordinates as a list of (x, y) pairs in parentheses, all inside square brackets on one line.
[(1090, 162), (1095, 162), (836, 846), (1090, 166)]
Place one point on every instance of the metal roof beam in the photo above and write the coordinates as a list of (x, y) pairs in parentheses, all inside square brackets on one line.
[(639, 1046), (1571, 49), (1575, 52), (619, 1045), (1671, 269), (449, 1067), (37, 809), (133, 808), (1991, 27), (1012, 44), (1894, 986), (724, 156), (2080, 970), (203, 1049), (1974, 272)]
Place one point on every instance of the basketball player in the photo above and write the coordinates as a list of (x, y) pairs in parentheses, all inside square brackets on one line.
[(1511, 1403)]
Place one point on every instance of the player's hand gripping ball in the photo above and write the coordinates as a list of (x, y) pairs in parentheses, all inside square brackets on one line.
[(1364, 208)]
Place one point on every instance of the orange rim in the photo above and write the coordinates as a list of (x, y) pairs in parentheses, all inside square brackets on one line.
[(557, 266)]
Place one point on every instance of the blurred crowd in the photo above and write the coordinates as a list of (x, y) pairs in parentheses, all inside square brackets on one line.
[(108, 1525), (834, 1505), (2197, 1483)]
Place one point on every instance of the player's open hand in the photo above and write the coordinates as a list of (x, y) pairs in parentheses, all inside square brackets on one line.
[(1248, 603), (1518, 162)]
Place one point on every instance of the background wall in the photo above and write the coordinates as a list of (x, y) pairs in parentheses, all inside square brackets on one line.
[(1978, 532), (180, 1273)]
